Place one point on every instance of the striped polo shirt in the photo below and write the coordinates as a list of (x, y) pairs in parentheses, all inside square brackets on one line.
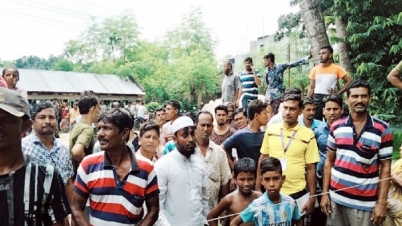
[(250, 88), (111, 200), (357, 161)]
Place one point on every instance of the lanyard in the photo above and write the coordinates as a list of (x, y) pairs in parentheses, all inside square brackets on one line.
[(289, 142)]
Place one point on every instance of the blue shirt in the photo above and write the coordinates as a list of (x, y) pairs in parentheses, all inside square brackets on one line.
[(250, 88), (316, 123), (169, 147), (58, 156), (321, 135), (262, 211), (274, 78)]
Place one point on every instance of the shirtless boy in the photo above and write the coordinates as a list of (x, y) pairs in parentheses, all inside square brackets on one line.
[(237, 201)]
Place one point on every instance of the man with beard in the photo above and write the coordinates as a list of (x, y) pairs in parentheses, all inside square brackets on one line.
[(217, 166), (323, 78), (230, 85), (250, 80), (31, 191), (359, 156), (274, 78), (223, 130), (308, 111), (114, 180), (182, 180), (43, 146)]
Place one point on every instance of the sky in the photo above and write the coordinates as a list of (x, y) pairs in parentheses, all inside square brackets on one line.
[(42, 27)]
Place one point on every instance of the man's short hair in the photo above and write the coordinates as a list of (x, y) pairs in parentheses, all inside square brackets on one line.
[(270, 164), (248, 59), (240, 110), (308, 101), (329, 48), (292, 90), (334, 98), (221, 108), (88, 99), (41, 106), (295, 97), (159, 109), (174, 103), (202, 112), (270, 56), (358, 84), (245, 165), (148, 126), (256, 107), (119, 117)]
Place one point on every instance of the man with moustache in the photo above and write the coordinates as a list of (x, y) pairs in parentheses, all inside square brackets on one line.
[(295, 146), (31, 192), (359, 156), (230, 85), (323, 78), (182, 180), (43, 146), (216, 163), (114, 180)]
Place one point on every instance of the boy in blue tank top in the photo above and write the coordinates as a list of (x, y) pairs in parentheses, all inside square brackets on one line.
[(272, 208)]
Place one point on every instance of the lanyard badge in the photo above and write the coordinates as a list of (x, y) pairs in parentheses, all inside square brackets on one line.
[(284, 161)]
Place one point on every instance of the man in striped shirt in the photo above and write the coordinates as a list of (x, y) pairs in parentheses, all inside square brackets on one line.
[(357, 168), (250, 80), (31, 192), (114, 180)]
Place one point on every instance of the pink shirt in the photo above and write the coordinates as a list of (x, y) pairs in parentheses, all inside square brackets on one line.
[(3, 82)]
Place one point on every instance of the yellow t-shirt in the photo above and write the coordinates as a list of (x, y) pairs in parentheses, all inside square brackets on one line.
[(301, 151)]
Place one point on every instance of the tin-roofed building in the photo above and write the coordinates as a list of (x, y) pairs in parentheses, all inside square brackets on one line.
[(42, 84)]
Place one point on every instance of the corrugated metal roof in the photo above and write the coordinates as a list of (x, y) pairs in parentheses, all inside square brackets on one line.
[(73, 82)]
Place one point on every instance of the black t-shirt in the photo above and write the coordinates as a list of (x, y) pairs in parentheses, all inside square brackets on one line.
[(33, 195), (247, 144)]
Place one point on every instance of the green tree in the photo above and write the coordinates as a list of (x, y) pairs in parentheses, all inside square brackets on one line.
[(192, 61), (63, 65)]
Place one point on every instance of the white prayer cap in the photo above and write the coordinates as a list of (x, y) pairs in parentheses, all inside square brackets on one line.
[(181, 122)]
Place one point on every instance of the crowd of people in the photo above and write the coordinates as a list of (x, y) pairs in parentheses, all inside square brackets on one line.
[(285, 160)]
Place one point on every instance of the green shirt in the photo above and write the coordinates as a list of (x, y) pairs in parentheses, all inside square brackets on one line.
[(399, 67), (85, 135)]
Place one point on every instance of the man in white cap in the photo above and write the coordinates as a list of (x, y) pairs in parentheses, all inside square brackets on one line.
[(183, 197)]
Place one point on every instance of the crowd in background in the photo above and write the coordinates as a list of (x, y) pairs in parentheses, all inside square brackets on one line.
[(288, 159)]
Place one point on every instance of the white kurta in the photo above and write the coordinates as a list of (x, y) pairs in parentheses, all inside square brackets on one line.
[(183, 197)]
